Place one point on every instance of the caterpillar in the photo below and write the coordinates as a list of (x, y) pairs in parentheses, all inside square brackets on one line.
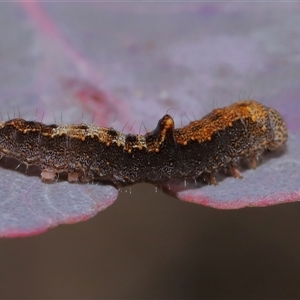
[(202, 148)]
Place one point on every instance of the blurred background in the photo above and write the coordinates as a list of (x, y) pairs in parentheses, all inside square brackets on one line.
[(137, 60), (149, 245)]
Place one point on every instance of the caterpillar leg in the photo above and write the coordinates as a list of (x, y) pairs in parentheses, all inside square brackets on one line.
[(235, 172), (48, 175)]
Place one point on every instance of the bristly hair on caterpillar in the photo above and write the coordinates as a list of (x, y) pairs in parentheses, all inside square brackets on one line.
[(204, 147)]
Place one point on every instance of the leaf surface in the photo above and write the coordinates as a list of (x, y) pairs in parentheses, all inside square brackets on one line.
[(126, 65)]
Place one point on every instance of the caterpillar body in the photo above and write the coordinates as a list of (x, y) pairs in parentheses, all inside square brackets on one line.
[(216, 142)]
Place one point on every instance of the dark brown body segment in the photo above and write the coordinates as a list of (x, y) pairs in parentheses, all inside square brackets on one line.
[(217, 141)]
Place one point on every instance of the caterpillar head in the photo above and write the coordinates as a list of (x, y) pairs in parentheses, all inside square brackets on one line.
[(279, 129)]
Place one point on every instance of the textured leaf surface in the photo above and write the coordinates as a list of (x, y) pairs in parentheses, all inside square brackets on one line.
[(29, 206), (116, 63)]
